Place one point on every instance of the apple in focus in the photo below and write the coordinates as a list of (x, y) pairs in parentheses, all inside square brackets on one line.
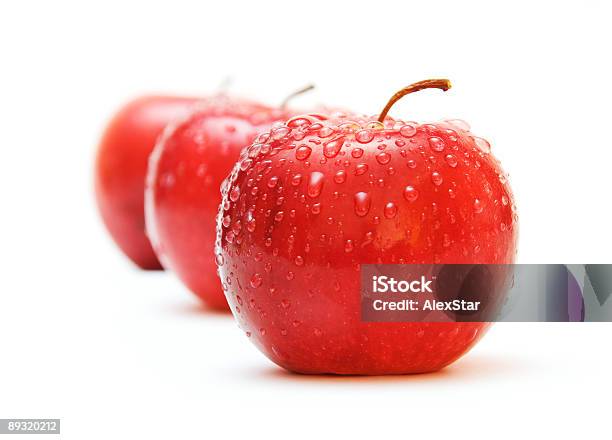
[(310, 201)]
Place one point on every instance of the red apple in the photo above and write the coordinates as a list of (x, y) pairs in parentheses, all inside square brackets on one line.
[(311, 201), (121, 167), (183, 195)]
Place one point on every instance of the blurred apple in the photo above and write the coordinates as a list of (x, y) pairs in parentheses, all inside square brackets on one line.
[(121, 167), (183, 194)]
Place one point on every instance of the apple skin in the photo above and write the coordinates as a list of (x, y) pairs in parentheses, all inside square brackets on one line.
[(186, 170), (121, 167), (309, 202)]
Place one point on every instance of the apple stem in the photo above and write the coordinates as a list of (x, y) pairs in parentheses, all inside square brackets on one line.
[(298, 92), (442, 84)]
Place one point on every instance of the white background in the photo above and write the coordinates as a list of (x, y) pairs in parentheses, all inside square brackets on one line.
[(118, 353)]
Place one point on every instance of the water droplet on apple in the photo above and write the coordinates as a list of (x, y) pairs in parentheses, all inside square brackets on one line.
[(349, 246), (326, 132), (279, 133), (251, 224), (436, 178), (408, 130), (459, 123), (361, 169), (482, 144), (357, 153), (383, 158), (256, 280), (234, 194), (315, 184), (299, 121), (303, 152), (364, 136), (296, 179), (411, 194), (362, 203), (348, 127), (390, 210), (333, 147), (451, 160), (436, 144), (245, 164), (340, 176), (272, 181)]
